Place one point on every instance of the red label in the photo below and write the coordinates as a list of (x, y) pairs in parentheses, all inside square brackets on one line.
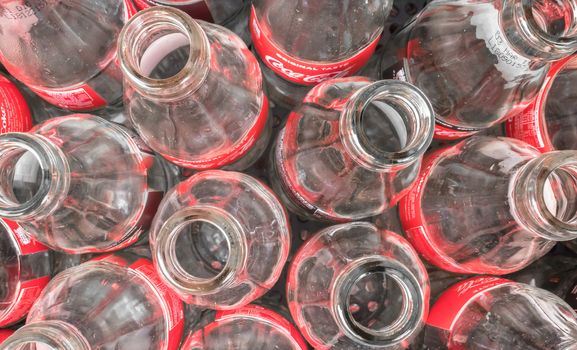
[(26, 244), (28, 292), (14, 112), (236, 152), (80, 99), (444, 133), (413, 222), (198, 9), (5, 334), (131, 9), (449, 306), (301, 71)]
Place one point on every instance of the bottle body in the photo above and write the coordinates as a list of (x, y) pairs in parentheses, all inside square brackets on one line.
[(484, 313), (549, 122), (128, 306), (247, 328), (65, 52), (287, 39), (184, 75), (354, 286), (349, 151), (220, 239), (468, 213), (14, 112), (480, 62), (80, 184), (25, 272)]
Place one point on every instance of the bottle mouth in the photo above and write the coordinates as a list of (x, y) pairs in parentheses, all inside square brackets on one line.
[(46, 335), (378, 302), (163, 52), (199, 250), (386, 124), (31, 170), (552, 23)]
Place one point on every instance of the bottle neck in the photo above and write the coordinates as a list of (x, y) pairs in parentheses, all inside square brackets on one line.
[(370, 316), (34, 176), (387, 125), (164, 53), (48, 335), (200, 250), (542, 29), (543, 195)]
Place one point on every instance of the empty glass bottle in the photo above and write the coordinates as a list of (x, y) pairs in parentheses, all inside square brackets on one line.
[(14, 112), (220, 239), (79, 183), (24, 272), (303, 43), (352, 149), (64, 50), (193, 90), (550, 121), (353, 286), (491, 205), (481, 61), (248, 328), (113, 302), (493, 313)]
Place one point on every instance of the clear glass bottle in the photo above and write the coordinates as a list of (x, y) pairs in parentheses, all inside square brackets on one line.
[(14, 112), (228, 13), (220, 239), (550, 121), (24, 272), (353, 286), (193, 90), (79, 184), (113, 302), (352, 149), (491, 205), (302, 43), (493, 313), (65, 51), (248, 328), (481, 61)]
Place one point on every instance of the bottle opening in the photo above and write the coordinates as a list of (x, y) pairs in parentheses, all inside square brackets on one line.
[(35, 345), (387, 123), (560, 194), (202, 249), (21, 175), (556, 18), (162, 51), (46, 335)]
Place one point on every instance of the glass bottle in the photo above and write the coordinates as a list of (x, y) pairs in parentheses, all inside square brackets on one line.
[(112, 302), (228, 13), (14, 112), (352, 149), (220, 239), (302, 43), (491, 205), (481, 61), (550, 121), (493, 313), (79, 184), (248, 328), (353, 286), (24, 272), (193, 90), (64, 50)]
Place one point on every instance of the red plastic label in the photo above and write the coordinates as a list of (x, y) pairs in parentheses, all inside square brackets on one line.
[(198, 9), (452, 302), (14, 112), (131, 9), (237, 152), (444, 133), (80, 98), (5, 334), (27, 295), (301, 71), (26, 244)]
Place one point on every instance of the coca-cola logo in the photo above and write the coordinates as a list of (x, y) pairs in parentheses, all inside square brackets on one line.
[(279, 65), (315, 79), (4, 118)]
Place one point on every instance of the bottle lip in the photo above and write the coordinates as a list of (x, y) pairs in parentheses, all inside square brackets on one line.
[(132, 45), (175, 275), (54, 169), (421, 118), (56, 335), (532, 195), (413, 310)]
